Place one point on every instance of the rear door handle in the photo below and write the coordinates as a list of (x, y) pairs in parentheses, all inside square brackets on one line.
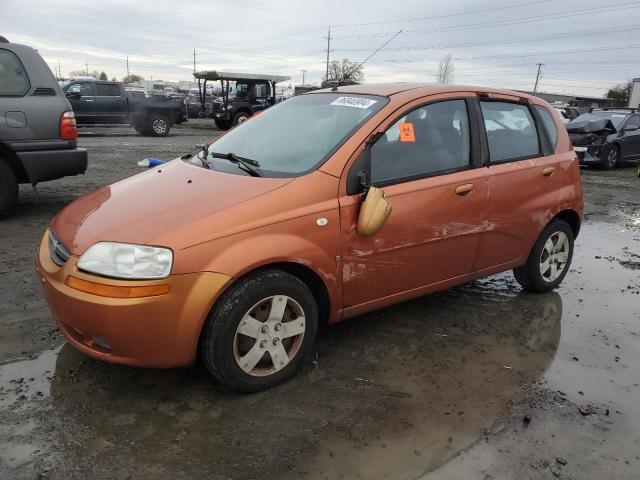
[(547, 172), (466, 189)]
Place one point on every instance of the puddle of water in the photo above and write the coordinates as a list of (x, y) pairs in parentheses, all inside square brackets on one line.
[(391, 394)]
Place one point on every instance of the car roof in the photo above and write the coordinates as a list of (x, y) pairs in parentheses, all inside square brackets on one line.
[(421, 89)]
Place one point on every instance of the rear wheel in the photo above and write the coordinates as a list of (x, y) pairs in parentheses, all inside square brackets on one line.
[(610, 156), (259, 332), (159, 126), (8, 187), (549, 260)]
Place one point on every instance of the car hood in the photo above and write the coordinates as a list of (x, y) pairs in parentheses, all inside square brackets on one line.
[(596, 126), (145, 206)]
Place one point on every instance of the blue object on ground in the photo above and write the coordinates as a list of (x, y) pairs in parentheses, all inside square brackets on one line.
[(150, 162)]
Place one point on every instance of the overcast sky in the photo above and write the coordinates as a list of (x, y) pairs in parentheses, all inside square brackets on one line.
[(586, 46)]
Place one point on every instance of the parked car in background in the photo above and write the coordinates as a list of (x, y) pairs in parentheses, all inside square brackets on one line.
[(194, 105), (98, 102), (606, 137), (327, 205), (37, 126)]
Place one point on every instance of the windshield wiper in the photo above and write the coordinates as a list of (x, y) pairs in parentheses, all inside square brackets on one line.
[(247, 164)]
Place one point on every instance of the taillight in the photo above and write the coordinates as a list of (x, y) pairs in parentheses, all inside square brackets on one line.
[(68, 128)]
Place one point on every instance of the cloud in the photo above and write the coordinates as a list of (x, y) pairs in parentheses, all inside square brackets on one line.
[(494, 43)]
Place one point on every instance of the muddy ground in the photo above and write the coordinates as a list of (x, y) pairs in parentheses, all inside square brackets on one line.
[(482, 381)]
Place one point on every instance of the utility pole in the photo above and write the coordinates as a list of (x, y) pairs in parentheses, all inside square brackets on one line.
[(194, 59), (328, 50), (59, 72), (303, 74), (535, 87), (86, 66), (127, 68)]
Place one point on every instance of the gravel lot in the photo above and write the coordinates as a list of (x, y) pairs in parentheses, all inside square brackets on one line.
[(481, 381)]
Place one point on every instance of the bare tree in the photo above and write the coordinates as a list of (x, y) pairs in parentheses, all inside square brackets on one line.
[(345, 70), (445, 70)]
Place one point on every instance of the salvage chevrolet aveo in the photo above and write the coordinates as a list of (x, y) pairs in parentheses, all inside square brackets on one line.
[(328, 205)]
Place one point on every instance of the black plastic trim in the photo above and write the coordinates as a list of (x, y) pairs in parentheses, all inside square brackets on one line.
[(45, 165)]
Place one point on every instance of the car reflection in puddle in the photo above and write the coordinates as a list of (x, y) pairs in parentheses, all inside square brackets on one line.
[(393, 393)]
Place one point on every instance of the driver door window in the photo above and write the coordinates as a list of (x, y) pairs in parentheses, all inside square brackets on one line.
[(427, 141)]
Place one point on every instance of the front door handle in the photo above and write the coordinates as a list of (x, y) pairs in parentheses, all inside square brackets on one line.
[(464, 190), (547, 172)]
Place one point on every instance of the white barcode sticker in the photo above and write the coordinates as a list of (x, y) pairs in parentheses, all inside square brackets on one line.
[(355, 102)]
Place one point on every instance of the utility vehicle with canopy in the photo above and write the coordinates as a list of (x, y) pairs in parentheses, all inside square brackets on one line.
[(252, 93)]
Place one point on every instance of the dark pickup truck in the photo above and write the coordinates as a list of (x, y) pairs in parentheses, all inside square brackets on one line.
[(105, 103)]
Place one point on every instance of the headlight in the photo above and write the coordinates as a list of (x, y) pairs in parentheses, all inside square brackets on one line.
[(123, 260)]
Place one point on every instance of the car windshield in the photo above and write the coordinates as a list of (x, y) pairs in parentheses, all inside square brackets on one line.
[(615, 117), (295, 137)]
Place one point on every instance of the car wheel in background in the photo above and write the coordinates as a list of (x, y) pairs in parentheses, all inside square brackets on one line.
[(159, 126), (610, 156), (259, 331), (8, 187), (549, 260), (240, 117)]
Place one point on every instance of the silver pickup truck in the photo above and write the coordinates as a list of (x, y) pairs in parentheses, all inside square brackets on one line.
[(37, 125)]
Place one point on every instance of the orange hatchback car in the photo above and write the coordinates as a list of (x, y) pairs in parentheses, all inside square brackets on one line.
[(323, 207)]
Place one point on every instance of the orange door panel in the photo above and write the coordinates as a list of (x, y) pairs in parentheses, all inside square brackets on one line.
[(431, 236)]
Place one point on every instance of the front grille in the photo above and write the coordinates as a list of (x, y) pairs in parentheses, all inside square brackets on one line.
[(57, 251)]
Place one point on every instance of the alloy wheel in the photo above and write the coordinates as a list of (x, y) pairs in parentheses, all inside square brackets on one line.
[(612, 158), (269, 335), (159, 126), (554, 256)]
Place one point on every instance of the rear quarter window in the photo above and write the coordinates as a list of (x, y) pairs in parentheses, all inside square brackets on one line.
[(14, 81), (549, 123)]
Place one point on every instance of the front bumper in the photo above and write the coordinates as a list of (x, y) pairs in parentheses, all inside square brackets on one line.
[(159, 331), (588, 155), (44, 165)]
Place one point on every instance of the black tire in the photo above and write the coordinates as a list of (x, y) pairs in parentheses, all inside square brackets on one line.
[(610, 157), (530, 275), (8, 188), (222, 124), (158, 125), (240, 117), (217, 342)]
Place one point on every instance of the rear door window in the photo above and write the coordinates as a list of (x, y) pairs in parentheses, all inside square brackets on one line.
[(107, 90), (549, 123), (84, 89), (511, 131), (430, 140), (13, 77)]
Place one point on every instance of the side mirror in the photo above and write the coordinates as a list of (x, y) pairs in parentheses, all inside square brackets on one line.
[(374, 212), (74, 95), (631, 128)]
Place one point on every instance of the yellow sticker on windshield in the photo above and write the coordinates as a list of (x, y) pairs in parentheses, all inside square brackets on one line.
[(406, 132)]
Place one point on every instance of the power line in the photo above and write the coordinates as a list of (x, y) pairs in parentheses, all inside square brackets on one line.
[(499, 23), (450, 46), (448, 15)]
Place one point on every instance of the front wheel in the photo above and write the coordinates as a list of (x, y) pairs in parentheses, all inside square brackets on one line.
[(549, 260), (159, 126), (611, 156), (240, 117), (259, 332)]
